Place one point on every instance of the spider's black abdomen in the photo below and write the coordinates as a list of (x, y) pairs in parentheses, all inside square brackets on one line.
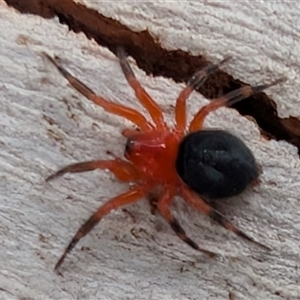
[(215, 163)]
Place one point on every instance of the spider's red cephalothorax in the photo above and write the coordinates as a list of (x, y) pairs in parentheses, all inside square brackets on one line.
[(153, 154), (183, 160)]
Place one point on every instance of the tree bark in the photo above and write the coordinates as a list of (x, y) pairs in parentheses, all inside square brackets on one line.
[(132, 254)]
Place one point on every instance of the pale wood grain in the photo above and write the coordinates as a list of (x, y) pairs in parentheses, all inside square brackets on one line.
[(45, 124)]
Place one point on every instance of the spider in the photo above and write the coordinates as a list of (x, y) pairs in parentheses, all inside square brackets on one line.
[(184, 160)]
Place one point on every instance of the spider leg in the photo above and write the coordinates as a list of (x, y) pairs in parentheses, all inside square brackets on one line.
[(153, 201), (117, 109), (163, 207), (128, 197), (195, 201), (123, 170), (145, 99), (195, 82), (227, 100)]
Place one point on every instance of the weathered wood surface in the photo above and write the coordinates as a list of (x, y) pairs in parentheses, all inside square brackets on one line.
[(45, 124)]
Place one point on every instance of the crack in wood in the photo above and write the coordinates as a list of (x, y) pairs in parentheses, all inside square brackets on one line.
[(153, 59)]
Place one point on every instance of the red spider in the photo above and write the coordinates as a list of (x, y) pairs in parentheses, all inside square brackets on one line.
[(183, 160)]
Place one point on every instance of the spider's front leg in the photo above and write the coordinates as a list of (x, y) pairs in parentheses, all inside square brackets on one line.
[(123, 170), (144, 98), (116, 109), (200, 205), (128, 197)]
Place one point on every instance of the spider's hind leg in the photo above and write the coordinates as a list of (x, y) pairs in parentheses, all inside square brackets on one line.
[(200, 205), (163, 206), (227, 100), (194, 82)]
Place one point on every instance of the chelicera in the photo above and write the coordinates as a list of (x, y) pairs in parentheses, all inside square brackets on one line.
[(182, 160)]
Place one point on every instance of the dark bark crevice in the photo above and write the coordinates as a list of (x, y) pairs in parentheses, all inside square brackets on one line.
[(153, 59)]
